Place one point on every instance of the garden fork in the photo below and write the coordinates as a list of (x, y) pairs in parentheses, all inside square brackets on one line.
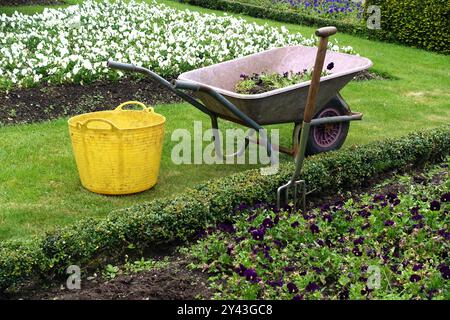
[(296, 184)]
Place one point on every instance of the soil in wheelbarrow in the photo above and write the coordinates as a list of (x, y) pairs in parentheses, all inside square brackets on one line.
[(264, 82), (47, 102)]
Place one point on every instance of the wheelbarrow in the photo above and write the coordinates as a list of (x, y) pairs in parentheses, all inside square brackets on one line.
[(212, 91)]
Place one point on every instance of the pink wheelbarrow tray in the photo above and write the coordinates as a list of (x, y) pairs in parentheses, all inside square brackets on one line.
[(316, 108)]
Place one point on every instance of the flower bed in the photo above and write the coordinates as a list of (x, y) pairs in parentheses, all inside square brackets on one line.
[(278, 13), (348, 10), (88, 242), (73, 44), (382, 246)]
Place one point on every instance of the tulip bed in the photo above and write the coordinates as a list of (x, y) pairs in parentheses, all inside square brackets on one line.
[(72, 45), (337, 250)]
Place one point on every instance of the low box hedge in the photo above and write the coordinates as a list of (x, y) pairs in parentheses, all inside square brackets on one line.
[(419, 23), (90, 241)]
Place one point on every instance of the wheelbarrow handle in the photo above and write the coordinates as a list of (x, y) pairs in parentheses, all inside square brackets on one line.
[(323, 33), (133, 68), (121, 66), (186, 85), (326, 32)]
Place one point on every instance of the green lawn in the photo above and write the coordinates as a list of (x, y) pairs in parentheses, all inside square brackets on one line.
[(39, 185)]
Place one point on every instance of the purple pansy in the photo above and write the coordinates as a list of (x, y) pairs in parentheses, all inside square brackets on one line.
[(276, 219), (417, 267), (357, 252), (258, 234), (241, 207), (359, 240), (252, 217), (274, 284), (289, 268), (378, 197), (435, 205), (415, 278), (389, 223), (444, 270), (227, 227), (366, 226), (312, 286), (364, 213), (267, 223), (251, 275), (241, 270), (314, 228), (444, 233), (317, 269), (292, 288), (445, 197), (327, 217), (414, 210)]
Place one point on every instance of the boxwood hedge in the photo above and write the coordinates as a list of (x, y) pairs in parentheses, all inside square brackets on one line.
[(90, 241), (420, 23)]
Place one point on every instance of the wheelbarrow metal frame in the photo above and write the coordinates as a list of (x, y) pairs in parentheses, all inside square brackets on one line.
[(241, 118)]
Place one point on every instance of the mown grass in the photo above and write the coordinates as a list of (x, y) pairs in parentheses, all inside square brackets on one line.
[(39, 185)]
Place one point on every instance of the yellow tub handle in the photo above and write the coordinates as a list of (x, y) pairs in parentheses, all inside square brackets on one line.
[(84, 125), (144, 107)]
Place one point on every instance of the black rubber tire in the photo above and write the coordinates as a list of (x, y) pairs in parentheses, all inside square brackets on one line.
[(312, 147)]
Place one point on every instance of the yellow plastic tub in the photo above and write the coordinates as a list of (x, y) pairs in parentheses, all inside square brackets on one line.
[(118, 152)]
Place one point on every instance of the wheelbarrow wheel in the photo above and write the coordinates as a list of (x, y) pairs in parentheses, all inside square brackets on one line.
[(331, 136)]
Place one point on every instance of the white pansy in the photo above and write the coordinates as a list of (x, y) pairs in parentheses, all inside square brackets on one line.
[(73, 43)]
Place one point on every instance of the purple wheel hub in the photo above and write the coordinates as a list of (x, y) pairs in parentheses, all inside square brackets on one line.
[(327, 134)]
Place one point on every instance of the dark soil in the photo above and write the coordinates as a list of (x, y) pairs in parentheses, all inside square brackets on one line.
[(173, 282), (366, 75), (28, 105), (28, 2), (50, 102)]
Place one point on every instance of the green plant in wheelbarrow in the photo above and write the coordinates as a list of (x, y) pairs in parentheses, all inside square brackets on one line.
[(268, 81)]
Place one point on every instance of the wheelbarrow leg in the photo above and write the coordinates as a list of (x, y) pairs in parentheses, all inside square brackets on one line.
[(218, 145), (179, 84), (296, 138)]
